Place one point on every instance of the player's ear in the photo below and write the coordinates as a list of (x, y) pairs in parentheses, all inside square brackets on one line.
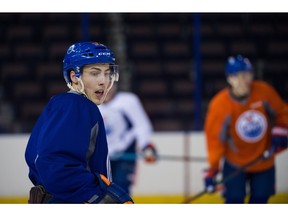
[(229, 80), (73, 77)]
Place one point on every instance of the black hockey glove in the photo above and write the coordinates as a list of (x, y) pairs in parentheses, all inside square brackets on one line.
[(210, 179), (114, 194), (279, 141)]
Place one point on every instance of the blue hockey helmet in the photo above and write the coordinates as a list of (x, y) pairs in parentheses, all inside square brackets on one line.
[(236, 64), (84, 53)]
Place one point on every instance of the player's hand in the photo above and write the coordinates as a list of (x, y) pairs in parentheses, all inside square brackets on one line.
[(114, 194), (210, 179), (279, 140), (150, 153)]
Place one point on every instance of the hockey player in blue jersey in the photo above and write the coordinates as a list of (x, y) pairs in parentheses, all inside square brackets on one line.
[(67, 151)]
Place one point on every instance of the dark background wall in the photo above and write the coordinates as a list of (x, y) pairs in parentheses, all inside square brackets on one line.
[(155, 53)]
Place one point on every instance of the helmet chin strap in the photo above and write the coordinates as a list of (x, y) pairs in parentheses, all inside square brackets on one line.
[(108, 89), (80, 91)]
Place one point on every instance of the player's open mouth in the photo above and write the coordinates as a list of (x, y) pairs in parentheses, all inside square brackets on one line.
[(99, 93)]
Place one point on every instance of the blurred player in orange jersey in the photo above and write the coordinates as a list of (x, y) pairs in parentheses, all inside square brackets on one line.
[(243, 121)]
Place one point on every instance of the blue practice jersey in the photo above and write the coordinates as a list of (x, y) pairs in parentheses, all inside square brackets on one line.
[(66, 147)]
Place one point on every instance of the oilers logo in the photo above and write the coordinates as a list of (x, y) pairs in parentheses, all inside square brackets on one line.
[(251, 126)]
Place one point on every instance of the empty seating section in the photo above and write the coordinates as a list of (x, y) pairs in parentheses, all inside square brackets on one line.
[(53, 32), (49, 70), (31, 60), (159, 53), (144, 49), (19, 33)]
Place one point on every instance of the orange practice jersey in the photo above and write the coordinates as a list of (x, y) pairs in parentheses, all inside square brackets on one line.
[(241, 132)]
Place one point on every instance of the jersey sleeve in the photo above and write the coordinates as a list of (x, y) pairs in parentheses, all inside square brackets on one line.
[(142, 126), (212, 129), (279, 106)]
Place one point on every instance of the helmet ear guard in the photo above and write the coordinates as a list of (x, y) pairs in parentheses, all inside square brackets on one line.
[(236, 64)]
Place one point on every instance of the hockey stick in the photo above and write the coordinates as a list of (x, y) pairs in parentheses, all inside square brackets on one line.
[(131, 156), (218, 184)]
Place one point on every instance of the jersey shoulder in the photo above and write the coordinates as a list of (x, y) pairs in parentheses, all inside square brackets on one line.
[(71, 101), (70, 97), (220, 98), (263, 88), (127, 95), (127, 99), (262, 85)]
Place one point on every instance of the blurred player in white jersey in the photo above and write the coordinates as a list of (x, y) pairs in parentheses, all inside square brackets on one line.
[(129, 132)]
